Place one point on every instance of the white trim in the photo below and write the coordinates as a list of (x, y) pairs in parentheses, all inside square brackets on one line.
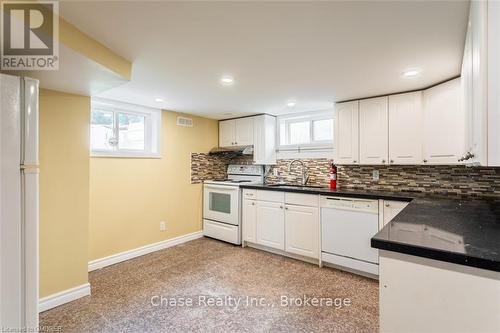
[(63, 297), (327, 153), (140, 251), (110, 154)]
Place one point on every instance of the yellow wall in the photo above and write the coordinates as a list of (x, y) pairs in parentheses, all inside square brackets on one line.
[(129, 197), (64, 190)]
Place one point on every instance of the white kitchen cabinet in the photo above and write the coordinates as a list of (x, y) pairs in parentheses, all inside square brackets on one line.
[(347, 133), (493, 84), (243, 131), (480, 73), (236, 132), (388, 209), (264, 136), (443, 123), (405, 128), (270, 230), (373, 131), (249, 220), (226, 133), (414, 291), (302, 230)]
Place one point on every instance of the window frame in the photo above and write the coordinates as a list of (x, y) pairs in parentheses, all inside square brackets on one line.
[(152, 129), (310, 117)]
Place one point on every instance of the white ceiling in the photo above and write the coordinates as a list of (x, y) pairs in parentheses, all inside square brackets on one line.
[(311, 52)]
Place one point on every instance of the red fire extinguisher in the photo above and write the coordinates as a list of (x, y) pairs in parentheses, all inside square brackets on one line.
[(333, 176)]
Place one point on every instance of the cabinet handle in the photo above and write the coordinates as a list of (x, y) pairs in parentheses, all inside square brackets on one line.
[(425, 161), (286, 208), (387, 205), (391, 161), (253, 203), (281, 207), (236, 143), (354, 161), (383, 161)]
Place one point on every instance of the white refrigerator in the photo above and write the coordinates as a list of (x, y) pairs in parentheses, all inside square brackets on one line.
[(18, 202)]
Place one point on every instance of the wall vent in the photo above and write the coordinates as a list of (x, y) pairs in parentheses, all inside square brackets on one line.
[(185, 122)]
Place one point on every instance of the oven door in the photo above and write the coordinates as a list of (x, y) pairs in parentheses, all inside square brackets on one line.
[(221, 203)]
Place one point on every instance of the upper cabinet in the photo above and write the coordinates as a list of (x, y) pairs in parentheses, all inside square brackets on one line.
[(444, 124), (258, 131), (243, 131), (494, 83), (236, 132), (481, 88), (373, 130), (410, 128), (264, 134), (405, 128), (226, 133), (475, 85), (347, 133)]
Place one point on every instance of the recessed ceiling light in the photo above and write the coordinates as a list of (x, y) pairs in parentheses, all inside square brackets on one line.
[(159, 100), (291, 104), (227, 80), (411, 73)]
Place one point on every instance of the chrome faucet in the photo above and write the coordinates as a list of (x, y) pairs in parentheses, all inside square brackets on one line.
[(305, 174)]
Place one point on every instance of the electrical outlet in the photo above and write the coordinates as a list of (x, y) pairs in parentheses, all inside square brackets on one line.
[(275, 172), (163, 226), (376, 175)]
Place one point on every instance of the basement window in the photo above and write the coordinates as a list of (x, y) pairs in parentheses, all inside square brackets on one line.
[(124, 130), (306, 134)]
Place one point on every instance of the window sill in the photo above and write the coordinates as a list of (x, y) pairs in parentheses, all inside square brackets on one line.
[(124, 155)]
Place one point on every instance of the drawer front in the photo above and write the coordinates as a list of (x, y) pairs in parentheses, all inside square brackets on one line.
[(273, 196), (226, 232), (301, 199), (249, 194)]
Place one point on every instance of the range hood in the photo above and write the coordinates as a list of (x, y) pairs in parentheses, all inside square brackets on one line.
[(242, 150)]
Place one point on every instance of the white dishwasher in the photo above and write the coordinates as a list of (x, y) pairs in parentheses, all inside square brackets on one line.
[(347, 225)]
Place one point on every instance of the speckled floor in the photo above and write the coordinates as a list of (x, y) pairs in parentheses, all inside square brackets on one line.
[(203, 270)]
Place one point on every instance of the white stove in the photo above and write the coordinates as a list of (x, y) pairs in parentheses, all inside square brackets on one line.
[(222, 202)]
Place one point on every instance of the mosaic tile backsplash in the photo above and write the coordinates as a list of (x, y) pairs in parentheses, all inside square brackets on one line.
[(453, 180)]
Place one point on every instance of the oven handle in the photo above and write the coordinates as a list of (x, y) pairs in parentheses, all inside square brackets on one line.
[(221, 187)]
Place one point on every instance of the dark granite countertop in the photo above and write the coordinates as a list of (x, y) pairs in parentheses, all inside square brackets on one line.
[(461, 230)]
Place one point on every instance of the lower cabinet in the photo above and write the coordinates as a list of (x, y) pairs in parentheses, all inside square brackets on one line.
[(287, 223), (270, 224), (302, 230), (249, 219)]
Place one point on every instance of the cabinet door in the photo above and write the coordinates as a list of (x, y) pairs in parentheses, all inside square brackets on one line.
[(347, 133), (373, 131), (302, 230), (405, 128), (264, 137), (392, 208), (226, 133), (493, 83), (271, 224), (243, 131), (249, 220), (444, 123)]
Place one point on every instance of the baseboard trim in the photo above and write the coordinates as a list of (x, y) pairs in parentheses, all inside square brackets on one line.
[(62, 297), (140, 251)]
